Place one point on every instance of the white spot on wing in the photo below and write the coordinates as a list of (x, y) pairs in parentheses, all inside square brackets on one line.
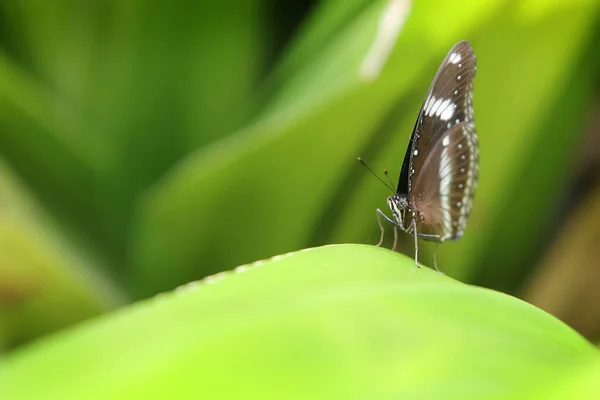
[(454, 58), (434, 106), (445, 182), (442, 107), (448, 111), (471, 181), (428, 104)]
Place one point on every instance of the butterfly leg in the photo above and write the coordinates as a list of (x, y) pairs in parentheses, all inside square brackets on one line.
[(379, 215), (414, 229), (435, 257), (433, 237), (395, 238)]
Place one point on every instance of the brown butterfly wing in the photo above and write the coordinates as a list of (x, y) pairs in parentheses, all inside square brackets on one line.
[(445, 186), (440, 169), (448, 102)]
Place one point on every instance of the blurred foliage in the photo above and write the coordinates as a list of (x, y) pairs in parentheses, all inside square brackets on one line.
[(147, 144), (566, 282)]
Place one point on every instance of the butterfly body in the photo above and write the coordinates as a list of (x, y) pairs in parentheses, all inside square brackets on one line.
[(440, 170)]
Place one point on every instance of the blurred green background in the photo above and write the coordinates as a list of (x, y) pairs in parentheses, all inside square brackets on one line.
[(147, 144)]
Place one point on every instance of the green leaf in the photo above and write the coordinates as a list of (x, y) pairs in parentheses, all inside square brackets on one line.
[(98, 100), (198, 212), (579, 383), (47, 279), (346, 321)]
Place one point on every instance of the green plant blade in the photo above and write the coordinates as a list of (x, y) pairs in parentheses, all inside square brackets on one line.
[(345, 321), (47, 280), (194, 212), (580, 383), (98, 100)]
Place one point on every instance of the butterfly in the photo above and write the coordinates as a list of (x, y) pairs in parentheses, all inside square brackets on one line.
[(439, 174)]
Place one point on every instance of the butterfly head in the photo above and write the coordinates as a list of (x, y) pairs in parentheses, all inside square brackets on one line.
[(399, 206)]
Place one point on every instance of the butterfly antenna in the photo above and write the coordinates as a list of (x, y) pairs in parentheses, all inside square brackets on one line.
[(385, 172), (389, 186)]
